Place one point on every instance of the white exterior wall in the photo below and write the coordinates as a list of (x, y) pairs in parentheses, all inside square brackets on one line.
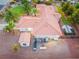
[(54, 37)]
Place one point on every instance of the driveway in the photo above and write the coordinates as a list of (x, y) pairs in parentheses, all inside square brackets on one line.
[(73, 47), (55, 50)]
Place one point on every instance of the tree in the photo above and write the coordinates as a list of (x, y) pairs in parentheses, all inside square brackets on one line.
[(35, 1), (67, 8), (27, 6), (29, 9), (75, 16), (10, 26), (70, 10), (77, 5), (10, 16), (15, 48), (48, 2), (34, 11)]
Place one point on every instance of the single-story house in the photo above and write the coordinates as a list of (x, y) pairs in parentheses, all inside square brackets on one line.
[(44, 27), (39, 29), (67, 0)]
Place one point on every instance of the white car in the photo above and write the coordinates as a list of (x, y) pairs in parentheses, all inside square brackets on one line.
[(67, 29)]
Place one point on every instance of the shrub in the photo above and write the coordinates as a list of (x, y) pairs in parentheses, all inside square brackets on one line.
[(59, 10), (26, 5), (35, 1), (49, 2), (10, 16), (75, 16), (10, 26), (15, 48), (34, 11), (67, 20), (67, 8), (70, 10), (77, 5)]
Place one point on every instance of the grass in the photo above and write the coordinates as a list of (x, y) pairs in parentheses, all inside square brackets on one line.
[(65, 20), (18, 10)]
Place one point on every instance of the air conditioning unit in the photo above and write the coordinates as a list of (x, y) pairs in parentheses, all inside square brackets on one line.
[(29, 29)]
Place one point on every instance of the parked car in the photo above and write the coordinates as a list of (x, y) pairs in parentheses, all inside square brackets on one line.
[(68, 30)]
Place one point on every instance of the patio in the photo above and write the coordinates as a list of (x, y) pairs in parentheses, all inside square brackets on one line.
[(61, 49), (6, 41)]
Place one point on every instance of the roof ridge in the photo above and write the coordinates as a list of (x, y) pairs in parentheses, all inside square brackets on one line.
[(53, 27), (40, 26), (48, 25)]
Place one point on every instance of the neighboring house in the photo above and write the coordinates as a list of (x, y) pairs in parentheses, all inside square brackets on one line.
[(67, 0), (4, 4)]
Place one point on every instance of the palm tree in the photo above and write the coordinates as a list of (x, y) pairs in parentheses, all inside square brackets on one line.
[(34, 11), (29, 9), (26, 5), (48, 2), (15, 48), (34, 2), (75, 16), (67, 8), (10, 16), (10, 26), (75, 19)]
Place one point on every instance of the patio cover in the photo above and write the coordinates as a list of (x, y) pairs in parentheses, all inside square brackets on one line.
[(24, 39)]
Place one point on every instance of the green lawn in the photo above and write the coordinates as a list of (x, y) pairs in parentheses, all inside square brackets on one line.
[(66, 21), (18, 10)]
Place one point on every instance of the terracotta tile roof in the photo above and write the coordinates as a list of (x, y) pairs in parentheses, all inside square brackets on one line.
[(46, 24), (46, 29), (29, 23)]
